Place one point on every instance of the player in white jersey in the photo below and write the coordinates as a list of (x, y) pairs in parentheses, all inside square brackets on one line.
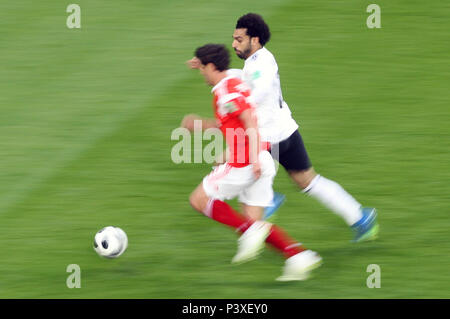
[(277, 127)]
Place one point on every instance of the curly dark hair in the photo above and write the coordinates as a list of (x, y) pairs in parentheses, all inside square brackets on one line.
[(256, 27), (216, 54)]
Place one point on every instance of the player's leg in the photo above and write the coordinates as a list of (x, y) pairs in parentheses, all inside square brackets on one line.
[(223, 183), (251, 242), (299, 260), (278, 200), (199, 199), (208, 198), (253, 212), (216, 209), (329, 193), (362, 220), (254, 198), (295, 160)]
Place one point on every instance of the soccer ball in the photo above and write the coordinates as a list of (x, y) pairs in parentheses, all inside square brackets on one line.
[(110, 242)]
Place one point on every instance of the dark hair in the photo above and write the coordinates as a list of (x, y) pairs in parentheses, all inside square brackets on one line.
[(216, 54), (256, 27)]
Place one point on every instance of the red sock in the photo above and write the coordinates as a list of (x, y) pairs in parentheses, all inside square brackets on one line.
[(280, 240), (223, 213)]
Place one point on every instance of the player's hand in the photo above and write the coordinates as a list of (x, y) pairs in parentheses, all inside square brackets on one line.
[(194, 63), (188, 121), (257, 169)]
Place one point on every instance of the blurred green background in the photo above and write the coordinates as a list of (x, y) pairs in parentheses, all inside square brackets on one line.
[(86, 117)]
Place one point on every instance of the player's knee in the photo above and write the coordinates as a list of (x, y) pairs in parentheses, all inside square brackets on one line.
[(303, 178), (193, 200), (197, 201)]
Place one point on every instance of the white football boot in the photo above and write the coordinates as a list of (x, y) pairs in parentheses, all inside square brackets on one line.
[(299, 266), (252, 241)]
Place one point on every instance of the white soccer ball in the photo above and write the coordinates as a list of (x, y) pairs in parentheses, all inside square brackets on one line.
[(110, 242)]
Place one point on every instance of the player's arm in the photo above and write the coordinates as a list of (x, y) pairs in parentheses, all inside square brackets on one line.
[(190, 120), (251, 128)]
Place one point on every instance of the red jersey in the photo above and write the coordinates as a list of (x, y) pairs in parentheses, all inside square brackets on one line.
[(230, 100)]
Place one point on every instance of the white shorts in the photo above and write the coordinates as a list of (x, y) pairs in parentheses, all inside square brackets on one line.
[(226, 182)]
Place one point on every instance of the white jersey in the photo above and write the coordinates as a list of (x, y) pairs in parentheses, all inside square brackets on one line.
[(274, 116)]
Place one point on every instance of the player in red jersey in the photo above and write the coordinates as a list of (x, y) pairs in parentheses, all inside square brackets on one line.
[(248, 174)]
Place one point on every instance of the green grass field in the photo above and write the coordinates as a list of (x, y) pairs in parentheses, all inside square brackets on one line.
[(86, 117)]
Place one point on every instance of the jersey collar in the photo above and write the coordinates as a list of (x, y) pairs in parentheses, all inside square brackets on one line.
[(220, 83), (254, 55)]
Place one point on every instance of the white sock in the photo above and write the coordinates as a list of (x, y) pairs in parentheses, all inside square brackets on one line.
[(334, 197)]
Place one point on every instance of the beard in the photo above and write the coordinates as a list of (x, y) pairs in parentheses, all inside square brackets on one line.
[(244, 54)]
